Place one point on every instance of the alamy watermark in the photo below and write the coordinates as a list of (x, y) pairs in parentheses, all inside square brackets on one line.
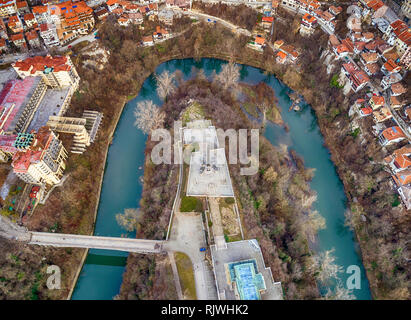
[(207, 141), (54, 280), (354, 280)]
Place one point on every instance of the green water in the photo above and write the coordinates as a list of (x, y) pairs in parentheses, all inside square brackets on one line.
[(101, 275)]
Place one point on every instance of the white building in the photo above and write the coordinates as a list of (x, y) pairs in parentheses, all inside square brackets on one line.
[(43, 163), (57, 72)]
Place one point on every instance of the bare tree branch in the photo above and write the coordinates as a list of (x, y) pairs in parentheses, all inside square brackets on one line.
[(148, 116)]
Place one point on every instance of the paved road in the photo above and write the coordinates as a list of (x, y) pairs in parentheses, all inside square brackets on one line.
[(217, 226), (10, 58), (222, 21), (12, 231), (89, 37), (82, 241), (187, 236)]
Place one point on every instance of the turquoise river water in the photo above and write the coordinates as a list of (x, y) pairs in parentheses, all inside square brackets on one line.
[(101, 274)]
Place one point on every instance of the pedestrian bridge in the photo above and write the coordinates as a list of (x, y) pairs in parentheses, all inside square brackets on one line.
[(95, 242)]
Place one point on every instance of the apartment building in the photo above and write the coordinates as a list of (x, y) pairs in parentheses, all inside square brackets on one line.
[(32, 39), (403, 41), (357, 78), (44, 162), (7, 8), (57, 72), (406, 59), (18, 40), (15, 24), (75, 18), (308, 24), (391, 135), (3, 30), (19, 100), (48, 33), (406, 8), (42, 14), (166, 16), (30, 20)]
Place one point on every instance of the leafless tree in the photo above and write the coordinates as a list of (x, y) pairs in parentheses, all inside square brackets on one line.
[(128, 220), (165, 84), (325, 264), (339, 293), (148, 116), (229, 75)]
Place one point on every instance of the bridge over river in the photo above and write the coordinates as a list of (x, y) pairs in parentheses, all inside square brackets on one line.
[(95, 242), (12, 231)]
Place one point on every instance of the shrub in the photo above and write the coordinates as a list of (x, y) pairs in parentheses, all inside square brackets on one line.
[(229, 200), (334, 82)]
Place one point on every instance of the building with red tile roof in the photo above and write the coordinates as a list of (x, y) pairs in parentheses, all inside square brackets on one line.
[(3, 46), (403, 41), (44, 162), (357, 78), (266, 22), (308, 20), (18, 39), (7, 8), (15, 24), (398, 89), (402, 178), (369, 57), (148, 40), (391, 135), (382, 114), (30, 20), (371, 68), (396, 102), (400, 163), (377, 102), (390, 66), (335, 10), (366, 111), (32, 38), (57, 72)]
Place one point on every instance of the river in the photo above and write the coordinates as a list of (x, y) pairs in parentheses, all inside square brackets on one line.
[(101, 275)]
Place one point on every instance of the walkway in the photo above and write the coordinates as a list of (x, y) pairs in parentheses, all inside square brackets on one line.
[(177, 283), (225, 23), (95, 242), (187, 235), (217, 226)]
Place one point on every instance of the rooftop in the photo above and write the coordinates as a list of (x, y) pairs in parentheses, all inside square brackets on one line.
[(393, 133), (42, 63), (208, 174), (309, 18), (50, 105), (398, 88), (247, 280), (14, 96), (240, 251), (402, 178)]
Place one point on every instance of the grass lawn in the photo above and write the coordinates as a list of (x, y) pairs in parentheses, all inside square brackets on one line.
[(189, 204), (186, 275)]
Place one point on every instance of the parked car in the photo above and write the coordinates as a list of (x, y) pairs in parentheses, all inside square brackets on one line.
[(202, 249)]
